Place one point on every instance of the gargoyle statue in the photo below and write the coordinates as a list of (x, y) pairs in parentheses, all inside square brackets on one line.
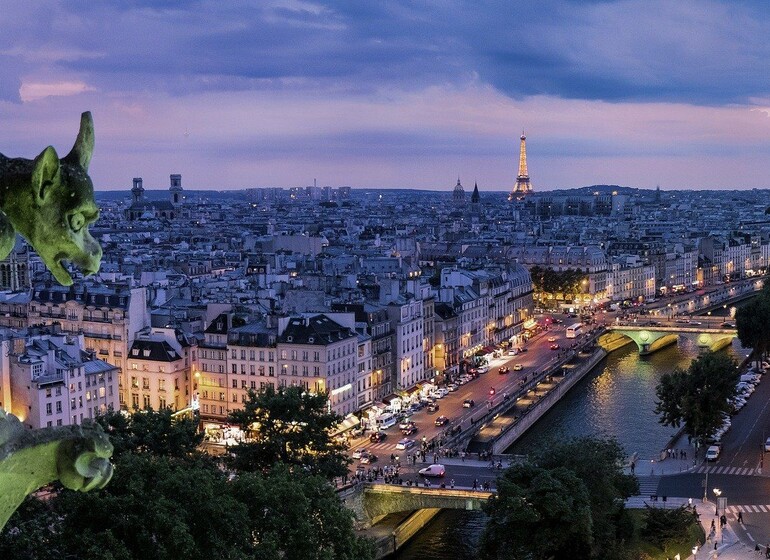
[(50, 202), (78, 456)]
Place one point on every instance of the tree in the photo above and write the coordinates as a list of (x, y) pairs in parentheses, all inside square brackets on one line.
[(530, 494), (663, 527), (148, 431), (698, 398), (751, 321), (538, 513), (289, 426)]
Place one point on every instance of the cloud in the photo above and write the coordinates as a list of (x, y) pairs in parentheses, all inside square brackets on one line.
[(33, 91)]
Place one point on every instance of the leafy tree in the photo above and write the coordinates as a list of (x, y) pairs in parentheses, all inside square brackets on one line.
[(289, 426), (149, 431), (538, 513), (697, 397), (751, 321), (664, 527), (598, 524)]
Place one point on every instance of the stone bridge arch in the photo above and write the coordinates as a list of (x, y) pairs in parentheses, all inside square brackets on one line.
[(650, 339), (370, 502)]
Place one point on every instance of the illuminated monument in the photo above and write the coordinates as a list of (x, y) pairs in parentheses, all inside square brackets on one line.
[(523, 185)]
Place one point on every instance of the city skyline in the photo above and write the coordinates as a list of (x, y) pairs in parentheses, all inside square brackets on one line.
[(277, 94)]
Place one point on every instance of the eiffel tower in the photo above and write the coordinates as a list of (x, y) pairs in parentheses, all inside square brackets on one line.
[(523, 185)]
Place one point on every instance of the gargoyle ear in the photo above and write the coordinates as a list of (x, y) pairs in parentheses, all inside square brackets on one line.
[(45, 173), (84, 144)]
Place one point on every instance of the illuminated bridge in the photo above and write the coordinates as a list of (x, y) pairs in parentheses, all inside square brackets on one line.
[(707, 332)]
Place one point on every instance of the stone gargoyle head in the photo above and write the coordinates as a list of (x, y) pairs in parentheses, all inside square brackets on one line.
[(50, 202)]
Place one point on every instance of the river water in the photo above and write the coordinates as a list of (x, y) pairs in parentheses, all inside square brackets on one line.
[(617, 398)]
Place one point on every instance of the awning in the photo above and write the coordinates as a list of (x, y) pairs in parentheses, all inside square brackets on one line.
[(351, 421), (488, 349), (530, 324)]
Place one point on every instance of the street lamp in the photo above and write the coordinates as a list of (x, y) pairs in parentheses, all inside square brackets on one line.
[(717, 493)]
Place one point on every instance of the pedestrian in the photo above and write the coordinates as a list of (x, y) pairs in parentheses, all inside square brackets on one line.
[(475, 484), (740, 517), (723, 520), (633, 467), (713, 525)]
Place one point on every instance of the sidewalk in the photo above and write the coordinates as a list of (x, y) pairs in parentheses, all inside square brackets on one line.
[(728, 545)]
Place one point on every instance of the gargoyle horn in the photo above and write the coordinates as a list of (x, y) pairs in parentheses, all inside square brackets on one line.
[(84, 145)]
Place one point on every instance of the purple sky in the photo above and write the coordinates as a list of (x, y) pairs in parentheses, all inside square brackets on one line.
[(237, 94)]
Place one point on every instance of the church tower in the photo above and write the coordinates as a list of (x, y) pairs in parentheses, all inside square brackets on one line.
[(137, 191), (523, 184), (458, 196), (475, 200), (176, 190)]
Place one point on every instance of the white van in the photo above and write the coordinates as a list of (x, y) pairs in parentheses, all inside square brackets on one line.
[(712, 453), (386, 420)]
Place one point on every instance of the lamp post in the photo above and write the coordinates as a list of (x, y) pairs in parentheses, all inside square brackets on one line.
[(717, 493)]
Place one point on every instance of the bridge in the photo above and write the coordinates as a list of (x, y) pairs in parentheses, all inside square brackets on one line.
[(707, 332), (371, 501)]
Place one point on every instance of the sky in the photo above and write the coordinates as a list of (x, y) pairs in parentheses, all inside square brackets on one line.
[(378, 94)]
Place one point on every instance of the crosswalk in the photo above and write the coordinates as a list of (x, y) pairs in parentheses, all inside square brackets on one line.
[(749, 509), (738, 471)]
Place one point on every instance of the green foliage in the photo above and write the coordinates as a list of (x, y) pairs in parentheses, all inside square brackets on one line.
[(697, 398), (582, 474), (155, 432), (567, 283), (664, 527), (288, 426), (538, 513), (751, 321)]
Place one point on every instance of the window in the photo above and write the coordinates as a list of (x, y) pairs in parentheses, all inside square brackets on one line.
[(134, 366), (161, 384), (145, 383), (58, 407), (48, 409), (146, 401), (235, 368), (101, 391), (48, 392), (221, 396), (235, 397), (235, 383), (134, 400)]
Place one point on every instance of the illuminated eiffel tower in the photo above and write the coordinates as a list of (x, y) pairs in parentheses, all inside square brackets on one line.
[(523, 185)]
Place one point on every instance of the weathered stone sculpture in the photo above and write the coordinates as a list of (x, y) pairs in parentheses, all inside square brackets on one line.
[(78, 456), (50, 202)]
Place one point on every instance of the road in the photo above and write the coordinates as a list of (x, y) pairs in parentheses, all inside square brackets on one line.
[(537, 357)]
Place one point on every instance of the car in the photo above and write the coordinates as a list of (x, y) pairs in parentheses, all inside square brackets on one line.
[(433, 470), (728, 325), (503, 370), (367, 458), (405, 424), (469, 403), (712, 453), (513, 351), (551, 339), (443, 392), (377, 437), (409, 430), (482, 369), (358, 452), (433, 407), (522, 350), (767, 444), (518, 367), (554, 346), (452, 387), (441, 421), (695, 323), (405, 444)]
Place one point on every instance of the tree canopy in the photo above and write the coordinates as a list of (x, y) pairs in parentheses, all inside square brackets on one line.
[(566, 283), (288, 426), (565, 501), (752, 320), (698, 397)]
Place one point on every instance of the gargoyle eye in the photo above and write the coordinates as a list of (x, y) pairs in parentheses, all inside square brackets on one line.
[(77, 221)]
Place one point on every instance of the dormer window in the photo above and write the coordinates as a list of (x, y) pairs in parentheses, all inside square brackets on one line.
[(146, 353), (134, 352), (311, 340), (290, 339)]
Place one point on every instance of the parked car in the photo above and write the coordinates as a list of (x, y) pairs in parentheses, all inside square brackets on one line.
[(482, 369), (712, 453), (523, 349), (377, 437), (441, 421), (469, 403), (405, 444), (452, 387), (554, 346), (767, 444), (518, 367), (728, 325), (503, 370), (357, 453), (404, 424), (433, 470), (433, 407)]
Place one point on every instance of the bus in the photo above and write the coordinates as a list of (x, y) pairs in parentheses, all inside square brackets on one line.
[(386, 420), (574, 330)]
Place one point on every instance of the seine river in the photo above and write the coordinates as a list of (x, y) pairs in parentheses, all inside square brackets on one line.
[(617, 398)]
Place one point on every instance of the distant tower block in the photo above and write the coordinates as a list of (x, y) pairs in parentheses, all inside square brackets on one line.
[(523, 185), (176, 189)]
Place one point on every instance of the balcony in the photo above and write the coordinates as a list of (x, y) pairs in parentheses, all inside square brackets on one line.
[(97, 335)]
